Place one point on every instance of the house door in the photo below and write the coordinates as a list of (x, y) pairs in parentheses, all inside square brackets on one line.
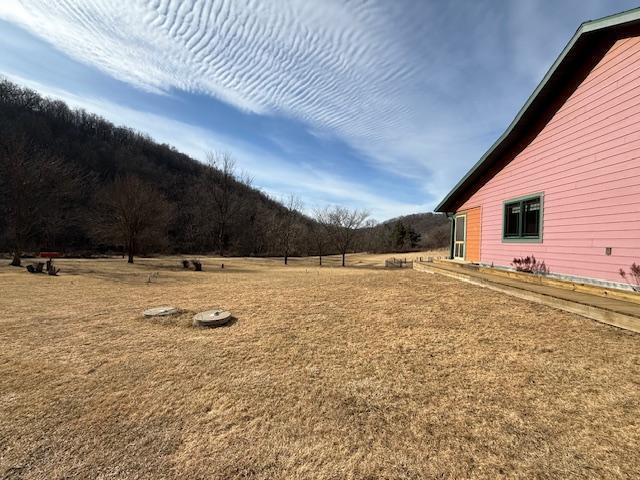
[(473, 234), (460, 233)]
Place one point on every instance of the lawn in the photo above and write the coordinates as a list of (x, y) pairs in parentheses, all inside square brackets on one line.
[(327, 373)]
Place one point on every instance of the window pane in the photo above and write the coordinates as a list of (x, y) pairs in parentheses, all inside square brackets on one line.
[(511, 220), (460, 228), (531, 225)]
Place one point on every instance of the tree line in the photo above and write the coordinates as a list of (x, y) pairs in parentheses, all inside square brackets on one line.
[(415, 232), (71, 181)]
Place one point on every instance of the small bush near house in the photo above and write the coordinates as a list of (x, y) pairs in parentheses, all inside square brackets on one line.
[(633, 277), (530, 264)]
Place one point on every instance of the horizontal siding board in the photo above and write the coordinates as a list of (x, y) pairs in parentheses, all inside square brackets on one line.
[(591, 137), (603, 262), (630, 244), (586, 161), (619, 157), (610, 99), (625, 213), (592, 130), (596, 230), (603, 191), (598, 210), (593, 123), (610, 93), (623, 169), (596, 112), (619, 62), (615, 157)]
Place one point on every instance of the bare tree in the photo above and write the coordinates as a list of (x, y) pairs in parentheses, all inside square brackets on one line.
[(287, 227), (196, 226), (18, 184), (318, 236), (32, 188), (133, 214), (221, 181), (370, 234), (341, 225), (65, 209)]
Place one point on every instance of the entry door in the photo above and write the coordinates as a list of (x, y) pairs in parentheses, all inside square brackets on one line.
[(472, 235), (460, 237)]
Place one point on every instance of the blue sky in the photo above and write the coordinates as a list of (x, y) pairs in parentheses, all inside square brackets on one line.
[(381, 105)]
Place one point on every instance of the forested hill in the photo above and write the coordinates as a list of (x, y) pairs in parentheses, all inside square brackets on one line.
[(73, 182), (80, 153), (418, 231), (421, 222)]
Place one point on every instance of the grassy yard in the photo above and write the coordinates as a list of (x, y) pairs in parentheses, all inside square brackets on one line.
[(328, 373)]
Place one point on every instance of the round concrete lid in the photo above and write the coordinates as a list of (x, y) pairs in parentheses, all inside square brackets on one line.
[(211, 318), (160, 311)]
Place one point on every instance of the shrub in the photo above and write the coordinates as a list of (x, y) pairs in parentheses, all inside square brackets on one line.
[(530, 264), (185, 263), (633, 277), (197, 265)]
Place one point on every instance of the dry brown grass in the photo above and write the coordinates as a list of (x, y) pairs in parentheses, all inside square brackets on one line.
[(328, 373)]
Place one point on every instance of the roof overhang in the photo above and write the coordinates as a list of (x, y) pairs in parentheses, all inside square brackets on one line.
[(588, 33)]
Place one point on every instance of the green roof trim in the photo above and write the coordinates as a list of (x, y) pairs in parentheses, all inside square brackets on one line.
[(604, 23)]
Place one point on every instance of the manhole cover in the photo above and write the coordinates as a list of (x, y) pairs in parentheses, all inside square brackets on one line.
[(160, 311), (211, 318)]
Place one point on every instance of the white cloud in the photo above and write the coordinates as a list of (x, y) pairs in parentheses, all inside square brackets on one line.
[(339, 67), (417, 87), (320, 61)]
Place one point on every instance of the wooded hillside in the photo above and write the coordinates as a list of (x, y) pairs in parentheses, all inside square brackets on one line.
[(71, 181), (418, 231)]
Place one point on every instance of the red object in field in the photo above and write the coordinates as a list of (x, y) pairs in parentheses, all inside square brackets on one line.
[(50, 254)]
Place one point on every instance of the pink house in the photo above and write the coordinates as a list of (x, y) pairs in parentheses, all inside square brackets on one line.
[(563, 181)]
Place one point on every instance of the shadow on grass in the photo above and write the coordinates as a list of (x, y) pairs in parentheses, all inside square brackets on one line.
[(232, 321)]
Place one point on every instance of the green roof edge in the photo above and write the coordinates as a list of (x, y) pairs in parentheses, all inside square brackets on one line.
[(616, 19)]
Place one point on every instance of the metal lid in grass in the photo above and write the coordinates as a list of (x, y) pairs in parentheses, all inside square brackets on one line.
[(211, 318), (161, 311)]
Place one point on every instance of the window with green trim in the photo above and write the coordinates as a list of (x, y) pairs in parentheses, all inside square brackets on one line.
[(522, 219)]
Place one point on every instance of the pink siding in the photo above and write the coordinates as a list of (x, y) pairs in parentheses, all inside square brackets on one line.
[(586, 161)]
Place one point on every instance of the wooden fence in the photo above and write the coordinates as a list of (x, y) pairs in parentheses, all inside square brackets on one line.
[(398, 263)]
